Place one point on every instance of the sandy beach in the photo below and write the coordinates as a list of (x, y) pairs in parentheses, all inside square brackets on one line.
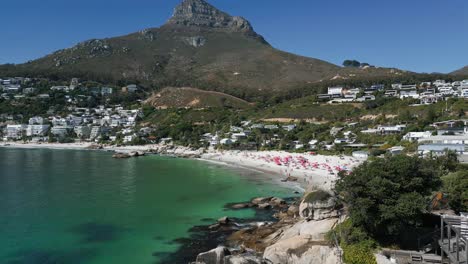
[(311, 171), (307, 169), (29, 145)]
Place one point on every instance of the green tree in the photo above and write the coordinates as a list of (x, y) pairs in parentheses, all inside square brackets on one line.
[(351, 63), (388, 195), (456, 186)]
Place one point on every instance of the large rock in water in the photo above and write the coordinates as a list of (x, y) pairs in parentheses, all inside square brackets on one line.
[(304, 242), (214, 256), (318, 205)]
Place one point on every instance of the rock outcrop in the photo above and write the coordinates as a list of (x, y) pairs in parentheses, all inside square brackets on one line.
[(214, 256), (318, 205), (199, 13), (299, 237), (299, 250)]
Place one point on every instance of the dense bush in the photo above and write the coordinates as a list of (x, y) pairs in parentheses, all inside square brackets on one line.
[(387, 196), (358, 254), (456, 186)]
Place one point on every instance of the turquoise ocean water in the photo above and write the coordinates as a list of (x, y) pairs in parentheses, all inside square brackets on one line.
[(66, 206)]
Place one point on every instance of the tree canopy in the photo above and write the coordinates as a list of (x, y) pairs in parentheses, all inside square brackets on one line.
[(456, 187), (388, 195)]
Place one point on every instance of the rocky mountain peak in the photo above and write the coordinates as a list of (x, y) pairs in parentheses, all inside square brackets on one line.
[(199, 13)]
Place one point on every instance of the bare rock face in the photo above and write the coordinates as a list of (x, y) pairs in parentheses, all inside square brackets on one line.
[(318, 205), (201, 14), (215, 256), (196, 42), (243, 259), (299, 250)]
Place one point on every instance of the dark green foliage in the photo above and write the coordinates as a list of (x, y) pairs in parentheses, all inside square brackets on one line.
[(351, 63), (357, 245), (456, 187), (388, 195), (317, 196)]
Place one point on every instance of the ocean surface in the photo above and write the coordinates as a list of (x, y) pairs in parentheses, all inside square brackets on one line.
[(75, 207)]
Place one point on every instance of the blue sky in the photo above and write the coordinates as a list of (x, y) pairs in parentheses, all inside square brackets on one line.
[(417, 35)]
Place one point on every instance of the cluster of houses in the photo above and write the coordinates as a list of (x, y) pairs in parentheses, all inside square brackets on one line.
[(426, 92), (237, 133), (446, 136), (91, 124), (21, 87)]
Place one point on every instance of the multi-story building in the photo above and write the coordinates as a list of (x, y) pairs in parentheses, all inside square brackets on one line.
[(61, 131), (82, 131), (37, 130), (15, 131)]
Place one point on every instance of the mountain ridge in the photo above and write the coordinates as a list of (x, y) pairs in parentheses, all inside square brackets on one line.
[(199, 46), (463, 71)]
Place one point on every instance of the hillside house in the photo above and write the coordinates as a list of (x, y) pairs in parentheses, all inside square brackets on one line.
[(415, 136), (388, 130), (335, 91)]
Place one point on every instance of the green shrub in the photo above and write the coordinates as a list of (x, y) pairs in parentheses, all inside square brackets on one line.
[(360, 253), (317, 196), (356, 244)]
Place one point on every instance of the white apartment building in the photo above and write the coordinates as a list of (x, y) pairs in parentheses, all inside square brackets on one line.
[(37, 130)]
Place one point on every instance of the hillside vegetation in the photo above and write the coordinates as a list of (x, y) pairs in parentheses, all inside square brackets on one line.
[(187, 97)]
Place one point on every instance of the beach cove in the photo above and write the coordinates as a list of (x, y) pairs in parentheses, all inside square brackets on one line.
[(307, 170), (73, 206)]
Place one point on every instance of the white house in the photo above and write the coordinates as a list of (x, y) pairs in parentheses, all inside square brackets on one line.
[(457, 139), (464, 93), (391, 129), (106, 91), (289, 127), (129, 138), (237, 136), (335, 90), (37, 120), (396, 150), (361, 155), (313, 144), (414, 136), (409, 93), (226, 141), (438, 83), (446, 90), (60, 88), (439, 149), (391, 93)]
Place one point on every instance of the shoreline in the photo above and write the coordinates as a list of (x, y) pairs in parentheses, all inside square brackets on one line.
[(310, 172), (297, 187), (300, 171)]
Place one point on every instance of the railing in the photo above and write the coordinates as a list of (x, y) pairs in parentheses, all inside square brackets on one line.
[(454, 238)]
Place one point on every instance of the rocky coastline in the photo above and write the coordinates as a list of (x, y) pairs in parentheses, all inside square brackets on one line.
[(283, 231)]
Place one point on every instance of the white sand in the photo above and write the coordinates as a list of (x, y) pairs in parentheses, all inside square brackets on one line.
[(312, 171), (29, 145)]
